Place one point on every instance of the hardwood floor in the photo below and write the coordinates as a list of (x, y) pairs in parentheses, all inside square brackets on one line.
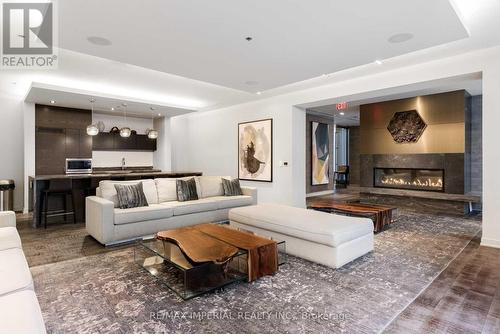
[(465, 298)]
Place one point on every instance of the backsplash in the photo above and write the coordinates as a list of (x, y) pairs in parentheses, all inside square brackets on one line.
[(114, 158)]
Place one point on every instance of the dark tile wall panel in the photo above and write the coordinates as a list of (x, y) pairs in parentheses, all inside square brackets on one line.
[(354, 158)]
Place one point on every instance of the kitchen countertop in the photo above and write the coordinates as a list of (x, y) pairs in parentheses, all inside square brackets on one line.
[(112, 175)]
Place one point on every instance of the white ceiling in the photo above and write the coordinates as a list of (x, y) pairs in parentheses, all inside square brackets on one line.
[(293, 40), (471, 83), (113, 105), (114, 78)]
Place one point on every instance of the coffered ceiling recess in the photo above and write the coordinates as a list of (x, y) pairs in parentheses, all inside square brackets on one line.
[(254, 45)]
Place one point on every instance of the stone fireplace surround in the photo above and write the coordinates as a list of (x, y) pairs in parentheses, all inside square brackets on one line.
[(453, 165)]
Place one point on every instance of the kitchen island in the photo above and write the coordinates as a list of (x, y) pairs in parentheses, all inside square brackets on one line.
[(85, 185)]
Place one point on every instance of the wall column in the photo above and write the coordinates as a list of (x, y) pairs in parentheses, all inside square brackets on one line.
[(491, 155)]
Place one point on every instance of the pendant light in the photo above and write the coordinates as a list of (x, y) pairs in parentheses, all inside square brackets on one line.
[(125, 131), (152, 133), (92, 129)]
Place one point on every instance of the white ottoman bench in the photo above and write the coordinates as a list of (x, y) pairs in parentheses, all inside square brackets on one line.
[(328, 239)]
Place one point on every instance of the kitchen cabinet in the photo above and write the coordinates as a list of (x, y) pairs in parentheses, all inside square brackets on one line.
[(103, 141), (145, 144), (106, 141), (78, 144), (60, 133)]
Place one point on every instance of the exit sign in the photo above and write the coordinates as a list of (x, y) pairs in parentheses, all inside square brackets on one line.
[(341, 105)]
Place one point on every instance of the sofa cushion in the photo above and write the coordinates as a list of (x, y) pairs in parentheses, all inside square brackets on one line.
[(210, 186), (226, 202), (320, 227), (108, 191), (167, 189), (199, 205), (20, 313), (14, 272), (9, 238), (143, 213)]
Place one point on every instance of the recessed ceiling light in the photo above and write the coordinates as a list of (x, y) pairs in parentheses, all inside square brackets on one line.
[(112, 108), (52, 101), (342, 114), (258, 93), (159, 114), (400, 38), (378, 62), (101, 41)]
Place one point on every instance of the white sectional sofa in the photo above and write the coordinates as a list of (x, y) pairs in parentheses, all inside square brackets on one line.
[(110, 225), (19, 309), (328, 239)]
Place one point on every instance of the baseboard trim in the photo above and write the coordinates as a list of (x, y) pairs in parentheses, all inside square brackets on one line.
[(320, 193), (490, 243)]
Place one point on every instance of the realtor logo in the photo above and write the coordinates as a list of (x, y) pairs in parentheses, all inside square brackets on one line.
[(28, 35)]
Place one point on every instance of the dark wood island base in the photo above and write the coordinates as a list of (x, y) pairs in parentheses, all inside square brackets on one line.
[(85, 185)]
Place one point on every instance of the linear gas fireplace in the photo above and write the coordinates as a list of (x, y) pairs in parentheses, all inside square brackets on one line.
[(409, 178)]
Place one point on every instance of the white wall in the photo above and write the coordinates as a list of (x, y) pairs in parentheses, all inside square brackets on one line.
[(11, 144), (208, 141), (491, 154), (162, 157), (114, 158), (29, 149)]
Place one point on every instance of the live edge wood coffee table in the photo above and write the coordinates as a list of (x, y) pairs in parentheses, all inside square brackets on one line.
[(381, 215), (197, 259), (262, 252)]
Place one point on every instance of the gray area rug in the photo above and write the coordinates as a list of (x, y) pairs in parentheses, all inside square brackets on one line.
[(109, 293)]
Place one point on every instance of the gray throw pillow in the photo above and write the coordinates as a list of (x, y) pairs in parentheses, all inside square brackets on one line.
[(231, 187), (130, 196), (186, 190)]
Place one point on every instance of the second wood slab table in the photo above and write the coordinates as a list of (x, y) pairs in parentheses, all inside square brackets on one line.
[(381, 215)]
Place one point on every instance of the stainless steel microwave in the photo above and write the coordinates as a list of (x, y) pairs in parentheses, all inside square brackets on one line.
[(78, 166)]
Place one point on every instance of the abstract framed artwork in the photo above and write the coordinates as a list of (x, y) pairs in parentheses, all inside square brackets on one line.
[(255, 150), (320, 152)]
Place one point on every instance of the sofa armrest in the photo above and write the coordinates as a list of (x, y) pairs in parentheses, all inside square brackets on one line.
[(250, 191), (7, 219), (99, 218)]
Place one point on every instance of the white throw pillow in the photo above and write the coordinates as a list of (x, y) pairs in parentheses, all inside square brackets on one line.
[(211, 186), (167, 189), (108, 191)]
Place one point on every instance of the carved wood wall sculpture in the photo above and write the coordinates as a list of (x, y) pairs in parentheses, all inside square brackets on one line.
[(406, 126)]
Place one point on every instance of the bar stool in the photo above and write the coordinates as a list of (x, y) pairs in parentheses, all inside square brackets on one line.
[(61, 188)]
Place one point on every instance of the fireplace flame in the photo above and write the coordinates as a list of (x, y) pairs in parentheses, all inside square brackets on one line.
[(423, 183)]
